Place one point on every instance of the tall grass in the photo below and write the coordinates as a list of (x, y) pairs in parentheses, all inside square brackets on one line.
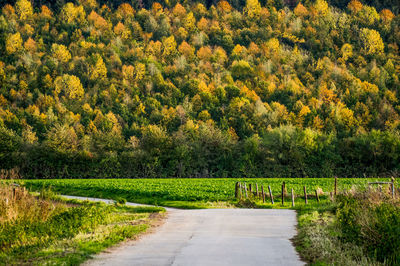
[(47, 230), (16, 204), (371, 219), (28, 223), (360, 227)]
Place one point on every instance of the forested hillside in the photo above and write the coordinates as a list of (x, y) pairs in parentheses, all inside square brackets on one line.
[(200, 89)]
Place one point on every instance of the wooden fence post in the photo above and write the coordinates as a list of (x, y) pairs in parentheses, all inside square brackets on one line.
[(257, 190), (393, 195), (284, 189), (282, 194), (270, 195), (262, 193), (316, 195), (237, 190), (245, 189), (292, 198), (305, 194), (335, 185)]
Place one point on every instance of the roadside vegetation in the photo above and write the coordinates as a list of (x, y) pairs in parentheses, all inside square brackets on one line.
[(44, 229), (357, 228)]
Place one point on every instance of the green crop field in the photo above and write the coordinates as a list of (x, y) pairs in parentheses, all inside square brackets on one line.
[(186, 193)]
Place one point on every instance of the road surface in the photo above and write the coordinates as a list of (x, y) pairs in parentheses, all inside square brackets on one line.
[(212, 237)]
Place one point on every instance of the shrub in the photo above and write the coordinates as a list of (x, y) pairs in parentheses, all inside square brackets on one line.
[(371, 220)]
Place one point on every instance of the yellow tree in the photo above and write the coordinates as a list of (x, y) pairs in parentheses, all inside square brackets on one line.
[(99, 69), (128, 72), (186, 49), (71, 14), (98, 21), (354, 6), (70, 86), (372, 41), (220, 55), (202, 24), (347, 51), (273, 46), (24, 9), (46, 12), (189, 22), (368, 15), (8, 11), (386, 15), (204, 53), (60, 52), (300, 10), (321, 7), (253, 8), (30, 45), (140, 71), (14, 43), (156, 7), (29, 135), (224, 6), (343, 115), (125, 10), (179, 10), (119, 28), (169, 45)]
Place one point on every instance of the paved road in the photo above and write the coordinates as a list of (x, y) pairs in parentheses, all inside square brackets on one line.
[(213, 237)]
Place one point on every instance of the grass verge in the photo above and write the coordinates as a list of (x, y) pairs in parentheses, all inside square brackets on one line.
[(46, 230)]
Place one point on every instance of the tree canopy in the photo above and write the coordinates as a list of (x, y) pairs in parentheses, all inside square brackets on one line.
[(198, 89)]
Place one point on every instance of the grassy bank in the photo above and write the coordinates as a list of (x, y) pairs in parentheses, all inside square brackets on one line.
[(191, 193), (44, 229), (358, 228)]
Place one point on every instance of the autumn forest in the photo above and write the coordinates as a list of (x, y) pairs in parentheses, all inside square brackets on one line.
[(200, 89)]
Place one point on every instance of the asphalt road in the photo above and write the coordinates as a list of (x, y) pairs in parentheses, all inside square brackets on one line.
[(212, 237)]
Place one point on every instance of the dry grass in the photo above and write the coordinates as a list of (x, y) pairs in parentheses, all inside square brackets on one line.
[(16, 204), (374, 196)]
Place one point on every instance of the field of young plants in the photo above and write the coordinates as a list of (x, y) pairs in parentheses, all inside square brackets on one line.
[(169, 192)]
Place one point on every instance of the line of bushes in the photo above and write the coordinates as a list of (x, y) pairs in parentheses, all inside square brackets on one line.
[(285, 151)]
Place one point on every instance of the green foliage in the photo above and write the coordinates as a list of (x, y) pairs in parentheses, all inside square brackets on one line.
[(374, 226), (319, 243), (10, 143)]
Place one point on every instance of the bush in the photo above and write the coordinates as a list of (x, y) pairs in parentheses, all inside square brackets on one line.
[(373, 224)]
